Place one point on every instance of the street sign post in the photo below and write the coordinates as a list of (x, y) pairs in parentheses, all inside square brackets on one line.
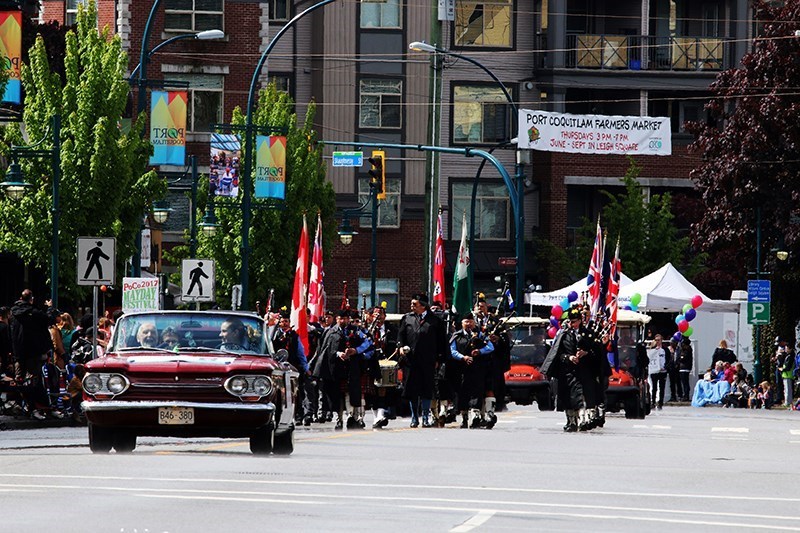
[(758, 301), (348, 159), (197, 280), (97, 260)]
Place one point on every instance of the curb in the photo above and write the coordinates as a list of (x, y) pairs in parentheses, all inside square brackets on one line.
[(10, 423)]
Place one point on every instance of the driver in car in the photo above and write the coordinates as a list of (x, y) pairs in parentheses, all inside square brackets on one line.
[(233, 335), (147, 335)]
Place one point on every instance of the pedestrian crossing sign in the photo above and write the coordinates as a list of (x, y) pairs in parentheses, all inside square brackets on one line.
[(197, 280), (97, 259)]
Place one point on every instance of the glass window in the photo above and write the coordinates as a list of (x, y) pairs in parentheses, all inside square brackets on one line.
[(71, 8), (193, 15), (278, 10), (483, 24), (205, 100), (388, 209), (380, 103), (380, 14), (386, 290), (492, 208), (479, 115)]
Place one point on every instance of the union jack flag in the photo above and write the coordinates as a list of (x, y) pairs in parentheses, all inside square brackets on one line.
[(595, 278), (613, 291)]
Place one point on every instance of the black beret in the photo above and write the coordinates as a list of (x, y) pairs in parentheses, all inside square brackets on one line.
[(343, 313), (421, 298), (573, 313), (468, 316)]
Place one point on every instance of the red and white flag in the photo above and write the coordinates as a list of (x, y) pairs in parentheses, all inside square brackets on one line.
[(613, 290), (316, 291), (594, 279), (298, 318), (438, 267)]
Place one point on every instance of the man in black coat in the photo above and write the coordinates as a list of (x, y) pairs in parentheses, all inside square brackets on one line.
[(421, 336), (31, 343)]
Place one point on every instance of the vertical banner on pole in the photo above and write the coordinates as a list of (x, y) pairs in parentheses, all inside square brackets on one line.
[(11, 49), (270, 167), (168, 127)]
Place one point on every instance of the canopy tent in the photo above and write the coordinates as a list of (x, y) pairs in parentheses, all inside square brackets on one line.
[(550, 299), (666, 290)]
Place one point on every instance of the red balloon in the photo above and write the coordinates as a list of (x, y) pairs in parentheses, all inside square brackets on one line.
[(557, 311), (683, 325), (697, 301), (552, 332)]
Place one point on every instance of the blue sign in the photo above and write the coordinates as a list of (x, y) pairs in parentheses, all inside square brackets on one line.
[(758, 290), (348, 159)]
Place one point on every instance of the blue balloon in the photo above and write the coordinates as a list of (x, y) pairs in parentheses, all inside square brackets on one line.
[(572, 296), (554, 321), (679, 319), (564, 304), (634, 307), (690, 315)]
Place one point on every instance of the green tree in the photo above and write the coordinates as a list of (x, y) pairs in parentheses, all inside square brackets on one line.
[(104, 187), (274, 233)]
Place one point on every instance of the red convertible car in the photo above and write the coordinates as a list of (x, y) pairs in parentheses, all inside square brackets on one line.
[(190, 374)]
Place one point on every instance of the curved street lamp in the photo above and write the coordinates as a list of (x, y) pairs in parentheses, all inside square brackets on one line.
[(15, 187)]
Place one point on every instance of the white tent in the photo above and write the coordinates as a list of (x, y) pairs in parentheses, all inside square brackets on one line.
[(666, 290), (550, 299)]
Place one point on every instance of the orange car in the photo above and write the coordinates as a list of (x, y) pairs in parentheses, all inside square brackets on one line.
[(627, 389), (524, 382)]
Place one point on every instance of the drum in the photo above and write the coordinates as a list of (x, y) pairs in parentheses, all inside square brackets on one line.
[(388, 373)]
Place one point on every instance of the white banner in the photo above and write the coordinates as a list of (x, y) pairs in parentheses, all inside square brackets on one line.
[(594, 134)]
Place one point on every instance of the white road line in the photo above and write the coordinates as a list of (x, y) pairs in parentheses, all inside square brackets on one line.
[(476, 521), (794, 432), (503, 421), (661, 427), (654, 426), (730, 430), (228, 499)]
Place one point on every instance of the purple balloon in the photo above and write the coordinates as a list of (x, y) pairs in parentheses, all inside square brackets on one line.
[(677, 337), (690, 315), (572, 296), (553, 321), (627, 307)]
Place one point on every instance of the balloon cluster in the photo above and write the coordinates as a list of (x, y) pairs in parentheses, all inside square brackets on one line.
[(689, 313), (559, 313), (636, 299)]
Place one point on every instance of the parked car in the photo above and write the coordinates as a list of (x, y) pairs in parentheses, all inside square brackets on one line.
[(628, 386), (524, 382), (190, 374)]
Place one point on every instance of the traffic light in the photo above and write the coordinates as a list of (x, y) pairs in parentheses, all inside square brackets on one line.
[(377, 173)]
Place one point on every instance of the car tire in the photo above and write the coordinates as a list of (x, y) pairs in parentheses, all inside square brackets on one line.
[(632, 407), (124, 441), (284, 442), (263, 440), (544, 400), (100, 439)]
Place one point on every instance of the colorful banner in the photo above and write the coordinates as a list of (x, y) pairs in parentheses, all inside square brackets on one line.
[(594, 134), (140, 294), (11, 49), (223, 174), (270, 167), (168, 127)]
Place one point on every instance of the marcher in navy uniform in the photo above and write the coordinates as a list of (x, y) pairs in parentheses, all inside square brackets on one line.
[(472, 348), (285, 337), (384, 340), (422, 339)]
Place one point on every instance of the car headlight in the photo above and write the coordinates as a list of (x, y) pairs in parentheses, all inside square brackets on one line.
[(237, 385), (262, 386), (92, 383), (117, 384)]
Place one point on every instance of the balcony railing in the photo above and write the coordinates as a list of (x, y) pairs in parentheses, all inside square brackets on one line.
[(645, 52)]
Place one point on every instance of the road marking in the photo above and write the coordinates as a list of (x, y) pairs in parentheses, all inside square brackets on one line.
[(730, 430), (476, 521), (228, 499), (654, 426), (794, 432), (501, 421)]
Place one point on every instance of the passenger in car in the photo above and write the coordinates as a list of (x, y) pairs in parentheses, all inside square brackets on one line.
[(169, 338), (233, 335), (147, 335)]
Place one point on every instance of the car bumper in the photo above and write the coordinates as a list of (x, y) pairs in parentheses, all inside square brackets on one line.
[(621, 393), (210, 419), (525, 391)]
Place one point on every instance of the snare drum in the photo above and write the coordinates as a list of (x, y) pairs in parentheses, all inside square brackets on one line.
[(388, 373)]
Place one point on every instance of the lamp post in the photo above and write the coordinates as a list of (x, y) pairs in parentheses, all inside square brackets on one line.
[(248, 148), (346, 234), (15, 188), (519, 187)]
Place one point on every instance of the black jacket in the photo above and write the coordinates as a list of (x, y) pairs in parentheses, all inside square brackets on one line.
[(30, 337)]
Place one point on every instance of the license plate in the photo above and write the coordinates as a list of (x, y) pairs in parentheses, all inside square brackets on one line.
[(176, 415)]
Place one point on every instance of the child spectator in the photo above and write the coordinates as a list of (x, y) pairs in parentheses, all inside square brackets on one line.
[(75, 391)]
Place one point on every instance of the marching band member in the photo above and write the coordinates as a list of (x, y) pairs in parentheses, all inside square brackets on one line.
[(284, 337), (384, 337), (473, 349)]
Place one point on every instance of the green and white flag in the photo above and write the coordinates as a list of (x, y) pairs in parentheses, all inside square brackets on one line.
[(462, 287)]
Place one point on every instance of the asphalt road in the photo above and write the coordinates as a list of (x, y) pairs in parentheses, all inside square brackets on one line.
[(681, 469)]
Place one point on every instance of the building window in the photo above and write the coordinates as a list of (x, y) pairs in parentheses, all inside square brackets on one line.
[(492, 208), (480, 115), (282, 82), (483, 23), (380, 103), (386, 290), (205, 100), (388, 209), (278, 10), (71, 8), (193, 15), (380, 14)]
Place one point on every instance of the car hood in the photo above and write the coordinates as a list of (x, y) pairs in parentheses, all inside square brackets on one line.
[(182, 362)]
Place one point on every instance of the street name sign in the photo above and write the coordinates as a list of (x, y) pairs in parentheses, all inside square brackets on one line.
[(348, 159), (97, 260), (197, 280)]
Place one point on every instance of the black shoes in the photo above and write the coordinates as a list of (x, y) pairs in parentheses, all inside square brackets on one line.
[(464, 424), (414, 424), (492, 420), (338, 425), (307, 420), (571, 428)]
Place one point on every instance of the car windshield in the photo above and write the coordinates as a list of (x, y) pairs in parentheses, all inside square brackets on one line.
[(626, 344), (529, 346), (190, 331)]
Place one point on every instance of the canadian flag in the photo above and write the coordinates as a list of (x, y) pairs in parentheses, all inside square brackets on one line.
[(299, 318), (438, 267), (316, 291)]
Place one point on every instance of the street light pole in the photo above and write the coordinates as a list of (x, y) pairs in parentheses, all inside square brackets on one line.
[(346, 234), (248, 149), (757, 342), (519, 188)]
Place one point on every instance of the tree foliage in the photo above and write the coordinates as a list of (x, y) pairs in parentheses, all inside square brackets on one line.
[(752, 161), (273, 233), (104, 186)]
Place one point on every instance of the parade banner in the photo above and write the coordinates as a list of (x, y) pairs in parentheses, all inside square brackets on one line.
[(168, 127), (270, 167), (140, 294), (594, 134), (223, 174), (11, 49)]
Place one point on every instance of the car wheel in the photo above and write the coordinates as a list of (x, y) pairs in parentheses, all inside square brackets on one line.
[(100, 439), (284, 442), (124, 441), (544, 400), (262, 441), (632, 407)]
